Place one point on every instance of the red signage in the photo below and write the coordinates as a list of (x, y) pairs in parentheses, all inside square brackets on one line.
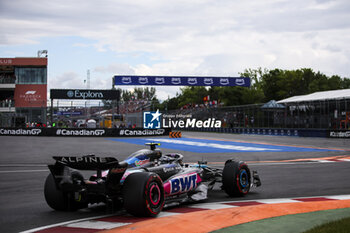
[(30, 95), (24, 61), (6, 61)]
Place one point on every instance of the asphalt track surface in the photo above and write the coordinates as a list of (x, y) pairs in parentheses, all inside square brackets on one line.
[(23, 170)]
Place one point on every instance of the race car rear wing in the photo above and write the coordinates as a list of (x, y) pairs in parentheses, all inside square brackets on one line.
[(69, 180), (88, 162)]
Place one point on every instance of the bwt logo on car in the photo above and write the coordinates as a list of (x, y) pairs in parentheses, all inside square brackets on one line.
[(151, 120), (181, 184)]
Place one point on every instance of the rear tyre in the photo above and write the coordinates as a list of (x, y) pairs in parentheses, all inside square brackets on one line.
[(143, 194), (236, 178), (59, 200)]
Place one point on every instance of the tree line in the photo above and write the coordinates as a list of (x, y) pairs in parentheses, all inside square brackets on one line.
[(266, 85)]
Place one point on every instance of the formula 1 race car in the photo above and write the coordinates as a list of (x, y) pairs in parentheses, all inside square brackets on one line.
[(143, 183)]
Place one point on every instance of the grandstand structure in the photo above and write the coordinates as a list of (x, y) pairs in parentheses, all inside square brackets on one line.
[(23, 90)]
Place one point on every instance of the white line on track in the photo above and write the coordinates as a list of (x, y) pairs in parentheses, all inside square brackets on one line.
[(101, 225), (211, 206), (214, 145), (283, 163), (22, 165), (65, 223), (325, 161), (23, 171)]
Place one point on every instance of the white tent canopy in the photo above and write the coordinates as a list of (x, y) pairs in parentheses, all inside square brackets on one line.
[(322, 95)]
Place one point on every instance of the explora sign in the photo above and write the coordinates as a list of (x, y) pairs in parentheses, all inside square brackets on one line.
[(84, 94)]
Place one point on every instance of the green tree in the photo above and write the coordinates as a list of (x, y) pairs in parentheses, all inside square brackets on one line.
[(345, 83), (126, 95), (255, 75), (231, 95), (255, 93), (319, 83), (192, 95), (334, 82), (148, 94), (266, 85), (145, 93), (273, 85)]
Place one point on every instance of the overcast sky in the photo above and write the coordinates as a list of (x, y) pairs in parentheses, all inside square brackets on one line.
[(169, 37)]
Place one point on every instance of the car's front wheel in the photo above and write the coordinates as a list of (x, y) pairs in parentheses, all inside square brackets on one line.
[(236, 178)]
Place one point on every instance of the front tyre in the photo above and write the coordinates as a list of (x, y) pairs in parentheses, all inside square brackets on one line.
[(143, 194), (236, 178)]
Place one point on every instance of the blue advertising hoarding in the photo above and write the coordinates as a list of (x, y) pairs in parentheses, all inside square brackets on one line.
[(180, 81)]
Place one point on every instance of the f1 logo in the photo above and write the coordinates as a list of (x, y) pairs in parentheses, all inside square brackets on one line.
[(151, 120)]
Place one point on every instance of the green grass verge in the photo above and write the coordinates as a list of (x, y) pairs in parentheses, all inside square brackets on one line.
[(297, 223), (340, 226)]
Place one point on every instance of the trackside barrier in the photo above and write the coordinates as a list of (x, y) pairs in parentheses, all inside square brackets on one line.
[(278, 132), (339, 134), (72, 132), (176, 134)]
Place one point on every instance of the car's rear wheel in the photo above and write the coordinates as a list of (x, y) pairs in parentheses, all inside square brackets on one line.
[(59, 200), (143, 194), (236, 178)]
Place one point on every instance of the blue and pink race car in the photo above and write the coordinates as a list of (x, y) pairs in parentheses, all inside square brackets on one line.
[(143, 183)]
